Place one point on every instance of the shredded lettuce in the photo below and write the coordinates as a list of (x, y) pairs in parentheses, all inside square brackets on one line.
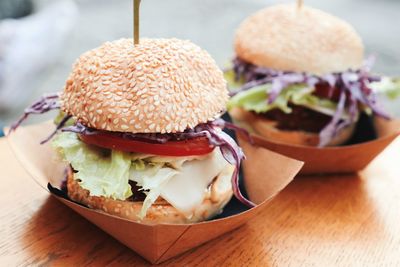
[(60, 116), (107, 172), (102, 173), (356, 84), (255, 99), (388, 86), (230, 77)]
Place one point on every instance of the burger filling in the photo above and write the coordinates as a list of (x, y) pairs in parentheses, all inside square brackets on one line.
[(299, 119), (176, 167), (300, 101), (182, 181)]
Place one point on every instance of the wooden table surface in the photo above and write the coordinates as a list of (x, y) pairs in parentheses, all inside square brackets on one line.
[(351, 220)]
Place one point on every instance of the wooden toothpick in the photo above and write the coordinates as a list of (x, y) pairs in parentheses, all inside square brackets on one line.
[(136, 7), (299, 3)]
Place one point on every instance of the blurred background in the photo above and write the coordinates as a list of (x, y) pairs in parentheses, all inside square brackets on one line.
[(40, 39)]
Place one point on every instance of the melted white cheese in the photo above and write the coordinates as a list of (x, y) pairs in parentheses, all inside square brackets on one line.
[(186, 189)]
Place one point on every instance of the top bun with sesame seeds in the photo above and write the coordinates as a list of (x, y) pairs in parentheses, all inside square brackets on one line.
[(159, 85), (288, 38)]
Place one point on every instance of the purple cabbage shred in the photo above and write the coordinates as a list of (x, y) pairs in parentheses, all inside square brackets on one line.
[(211, 130), (353, 86), (43, 105), (232, 153), (60, 126)]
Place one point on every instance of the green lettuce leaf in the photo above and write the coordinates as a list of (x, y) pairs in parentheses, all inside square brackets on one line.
[(230, 75), (61, 116), (255, 99), (107, 172), (388, 86), (101, 172)]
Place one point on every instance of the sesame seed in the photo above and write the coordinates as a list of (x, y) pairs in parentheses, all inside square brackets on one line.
[(143, 85)]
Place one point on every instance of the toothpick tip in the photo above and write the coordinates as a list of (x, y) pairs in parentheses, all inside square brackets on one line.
[(299, 4)]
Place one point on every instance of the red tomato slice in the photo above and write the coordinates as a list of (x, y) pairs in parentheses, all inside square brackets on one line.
[(197, 146)]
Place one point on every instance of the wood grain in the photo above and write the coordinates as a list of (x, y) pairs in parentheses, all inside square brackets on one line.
[(351, 220)]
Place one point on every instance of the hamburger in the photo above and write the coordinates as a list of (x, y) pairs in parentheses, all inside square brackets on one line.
[(299, 77), (140, 129)]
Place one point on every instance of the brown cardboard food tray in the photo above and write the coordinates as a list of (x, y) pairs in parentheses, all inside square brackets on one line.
[(266, 173), (340, 159)]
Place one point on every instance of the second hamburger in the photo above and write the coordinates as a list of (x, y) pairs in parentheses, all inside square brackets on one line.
[(301, 76)]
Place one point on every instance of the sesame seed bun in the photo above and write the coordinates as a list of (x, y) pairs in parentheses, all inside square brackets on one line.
[(159, 85), (267, 128), (287, 38), (218, 195)]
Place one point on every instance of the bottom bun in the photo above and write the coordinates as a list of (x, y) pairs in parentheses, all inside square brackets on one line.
[(218, 195), (267, 128)]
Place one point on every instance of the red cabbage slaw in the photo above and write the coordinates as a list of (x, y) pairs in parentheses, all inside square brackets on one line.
[(232, 153), (353, 86), (45, 104), (158, 138)]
